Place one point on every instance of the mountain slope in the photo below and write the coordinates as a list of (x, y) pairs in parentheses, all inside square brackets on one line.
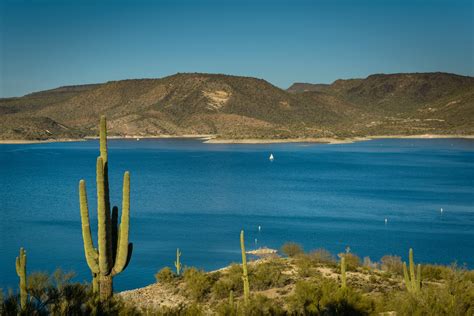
[(244, 107)]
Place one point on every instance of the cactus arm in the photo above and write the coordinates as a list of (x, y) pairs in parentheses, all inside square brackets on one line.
[(89, 250), (103, 139), (104, 265), (123, 245), (177, 263), (406, 277), (418, 277), (245, 277), (21, 272), (412, 269), (129, 255), (105, 164), (343, 272), (115, 231)]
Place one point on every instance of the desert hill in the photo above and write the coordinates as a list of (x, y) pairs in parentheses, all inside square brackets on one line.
[(244, 107)]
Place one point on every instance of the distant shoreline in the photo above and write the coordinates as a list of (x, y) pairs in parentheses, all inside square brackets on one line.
[(211, 139)]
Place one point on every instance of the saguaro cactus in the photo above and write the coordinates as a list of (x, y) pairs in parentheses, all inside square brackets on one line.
[(114, 251), (343, 271), (412, 281), (21, 272), (177, 263), (245, 277)]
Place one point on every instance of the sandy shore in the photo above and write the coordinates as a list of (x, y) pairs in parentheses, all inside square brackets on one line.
[(327, 140), (211, 139), (62, 140), (30, 141)]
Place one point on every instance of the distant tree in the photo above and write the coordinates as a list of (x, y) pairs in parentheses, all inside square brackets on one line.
[(291, 249)]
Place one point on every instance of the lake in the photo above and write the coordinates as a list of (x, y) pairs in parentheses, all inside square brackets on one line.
[(197, 196)]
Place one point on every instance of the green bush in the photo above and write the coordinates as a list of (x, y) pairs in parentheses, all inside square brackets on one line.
[(165, 275), (454, 297), (193, 309), (267, 274), (260, 305), (325, 297), (435, 272), (305, 298), (230, 280), (352, 261), (56, 295), (392, 264), (198, 283), (304, 265), (291, 249)]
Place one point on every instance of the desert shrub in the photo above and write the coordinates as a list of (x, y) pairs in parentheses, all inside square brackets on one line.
[(305, 299), (55, 295), (193, 309), (392, 264), (347, 302), (435, 272), (267, 274), (228, 307), (260, 305), (304, 265), (165, 275), (324, 297), (454, 297), (198, 283), (291, 249), (352, 261), (231, 280), (322, 256)]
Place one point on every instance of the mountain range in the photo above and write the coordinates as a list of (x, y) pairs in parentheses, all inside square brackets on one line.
[(234, 107)]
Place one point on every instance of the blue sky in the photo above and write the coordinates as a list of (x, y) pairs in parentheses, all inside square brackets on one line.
[(45, 44)]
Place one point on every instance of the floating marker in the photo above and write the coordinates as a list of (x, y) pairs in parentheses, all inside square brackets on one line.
[(271, 157), (256, 240), (441, 210), (259, 228), (386, 220)]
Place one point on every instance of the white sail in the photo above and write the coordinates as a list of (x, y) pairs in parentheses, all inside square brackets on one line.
[(271, 157)]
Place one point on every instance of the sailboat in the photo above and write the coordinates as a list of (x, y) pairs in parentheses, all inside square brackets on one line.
[(271, 157)]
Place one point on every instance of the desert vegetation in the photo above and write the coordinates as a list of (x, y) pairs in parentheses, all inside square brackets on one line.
[(297, 283)]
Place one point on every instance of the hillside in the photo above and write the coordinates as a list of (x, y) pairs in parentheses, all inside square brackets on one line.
[(308, 284), (242, 107)]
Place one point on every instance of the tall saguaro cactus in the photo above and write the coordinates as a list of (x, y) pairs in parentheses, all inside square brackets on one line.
[(21, 272), (114, 251), (343, 272), (412, 281), (177, 263), (245, 277)]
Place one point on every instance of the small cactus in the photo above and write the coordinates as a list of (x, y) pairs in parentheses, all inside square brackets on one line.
[(245, 277), (343, 272), (177, 263), (21, 272), (412, 280)]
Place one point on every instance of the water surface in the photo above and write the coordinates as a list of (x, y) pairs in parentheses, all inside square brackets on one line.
[(199, 196)]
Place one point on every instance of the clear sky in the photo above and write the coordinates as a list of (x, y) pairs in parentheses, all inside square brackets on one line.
[(45, 44)]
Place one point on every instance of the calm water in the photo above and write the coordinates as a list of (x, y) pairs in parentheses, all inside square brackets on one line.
[(197, 197)]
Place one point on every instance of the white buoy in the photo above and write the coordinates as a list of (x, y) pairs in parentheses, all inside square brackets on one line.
[(386, 220), (441, 210), (271, 157), (138, 139), (256, 240), (259, 228)]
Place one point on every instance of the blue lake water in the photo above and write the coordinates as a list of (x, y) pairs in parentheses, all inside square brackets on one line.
[(198, 197)]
